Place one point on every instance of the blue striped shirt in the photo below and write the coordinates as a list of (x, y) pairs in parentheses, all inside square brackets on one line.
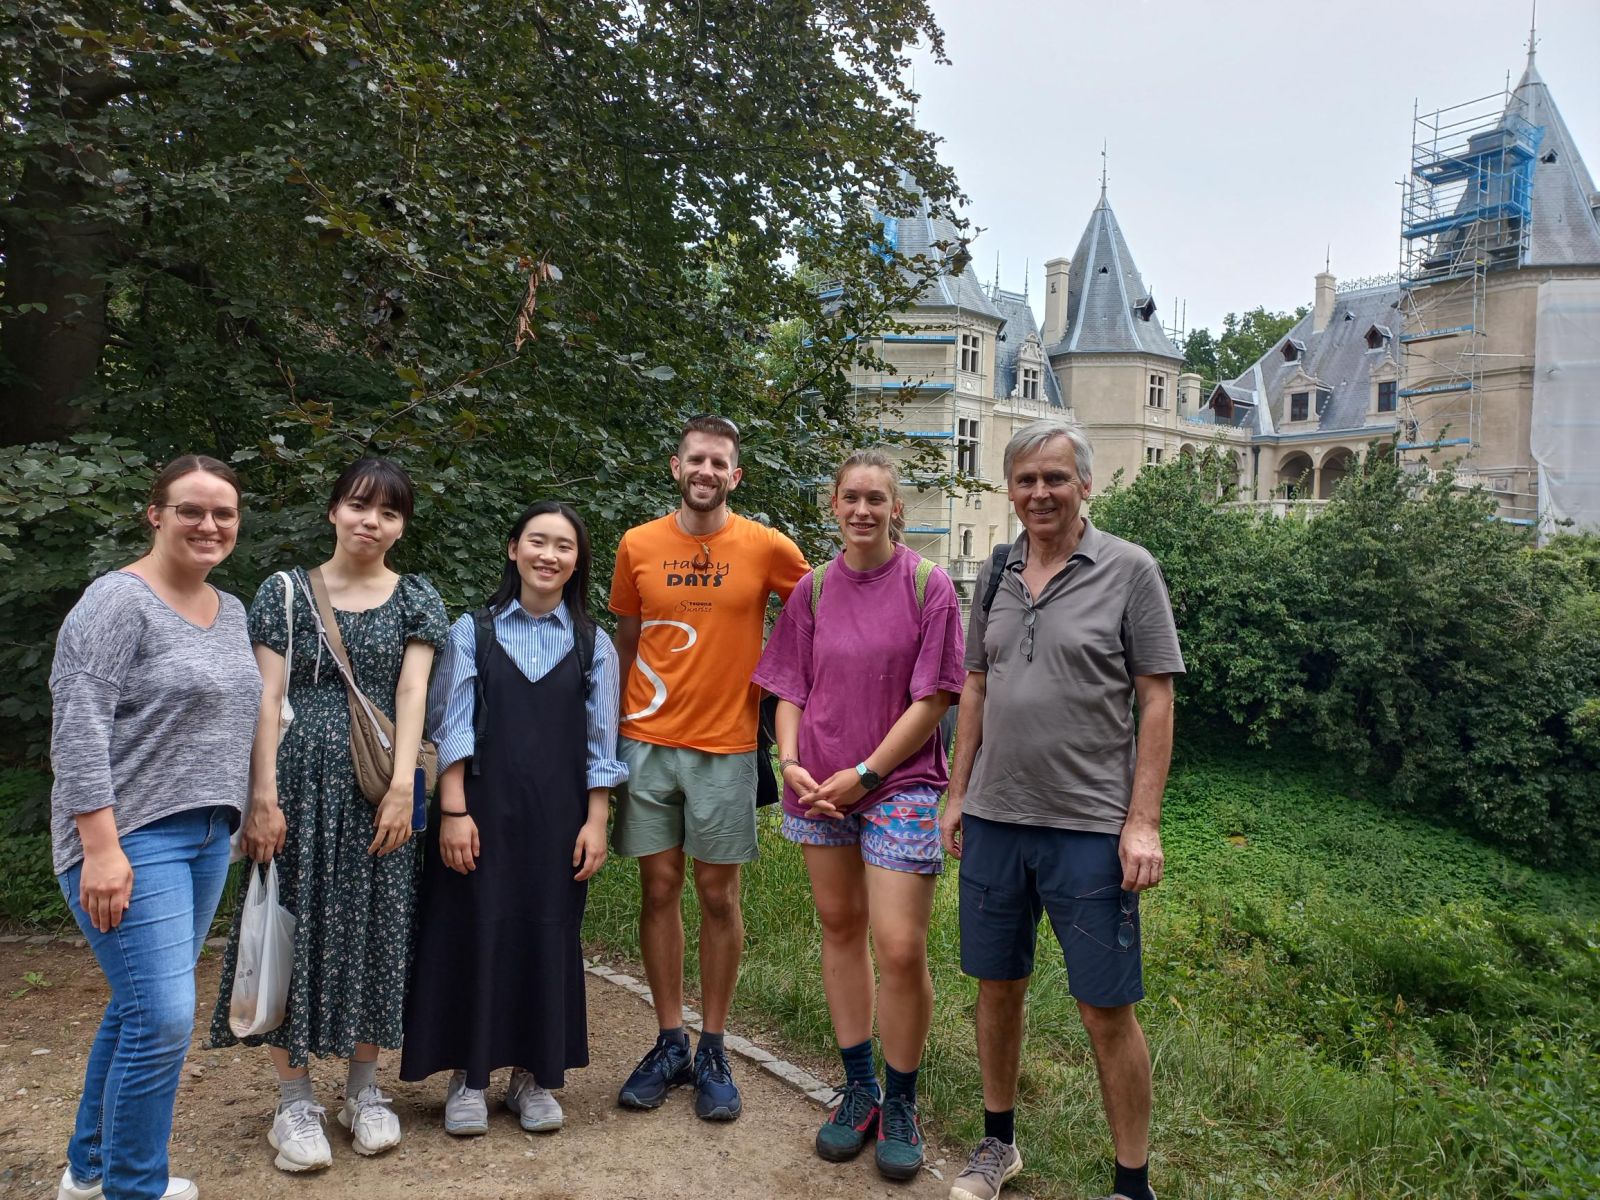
[(535, 645)]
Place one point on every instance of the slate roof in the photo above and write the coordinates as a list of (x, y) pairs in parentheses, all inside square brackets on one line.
[(1337, 358), (1565, 230), (916, 233), (1020, 326), (1103, 290)]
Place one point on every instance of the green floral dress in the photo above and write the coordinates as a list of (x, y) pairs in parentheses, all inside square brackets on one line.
[(352, 942)]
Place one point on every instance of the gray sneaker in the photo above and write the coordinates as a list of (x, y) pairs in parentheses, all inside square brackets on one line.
[(536, 1108), (466, 1110), (991, 1164), (1120, 1196)]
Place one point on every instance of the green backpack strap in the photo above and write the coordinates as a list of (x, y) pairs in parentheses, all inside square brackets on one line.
[(816, 587), (924, 570)]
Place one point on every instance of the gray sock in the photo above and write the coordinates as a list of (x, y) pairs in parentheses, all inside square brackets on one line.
[(290, 1090), (362, 1074)]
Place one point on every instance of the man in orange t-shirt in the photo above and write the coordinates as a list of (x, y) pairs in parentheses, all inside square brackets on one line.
[(690, 593)]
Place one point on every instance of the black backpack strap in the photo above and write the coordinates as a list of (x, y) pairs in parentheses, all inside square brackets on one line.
[(997, 569), (583, 637), (483, 644)]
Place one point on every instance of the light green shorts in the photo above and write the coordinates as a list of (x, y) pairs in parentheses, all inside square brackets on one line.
[(704, 804)]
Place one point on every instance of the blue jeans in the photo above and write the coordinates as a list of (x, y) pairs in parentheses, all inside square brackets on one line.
[(125, 1117)]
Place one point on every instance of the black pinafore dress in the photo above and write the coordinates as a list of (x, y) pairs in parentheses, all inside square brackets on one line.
[(497, 979)]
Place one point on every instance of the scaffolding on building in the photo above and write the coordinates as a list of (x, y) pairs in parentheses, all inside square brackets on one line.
[(1466, 212)]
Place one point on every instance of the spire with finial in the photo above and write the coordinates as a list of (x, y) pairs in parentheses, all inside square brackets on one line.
[(1102, 170), (995, 291), (1027, 267), (1533, 31), (1327, 259)]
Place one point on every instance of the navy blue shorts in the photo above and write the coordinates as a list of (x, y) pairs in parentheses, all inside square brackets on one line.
[(1013, 874)]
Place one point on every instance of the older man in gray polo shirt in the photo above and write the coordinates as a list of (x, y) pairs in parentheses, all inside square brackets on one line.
[(1055, 806)]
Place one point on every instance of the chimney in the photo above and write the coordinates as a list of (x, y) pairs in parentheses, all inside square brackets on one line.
[(1056, 271), (1322, 311)]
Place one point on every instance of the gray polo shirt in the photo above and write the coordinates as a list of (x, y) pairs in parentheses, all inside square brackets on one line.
[(1058, 734)]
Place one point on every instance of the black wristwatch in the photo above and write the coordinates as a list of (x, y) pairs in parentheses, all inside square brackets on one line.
[(869, 778)]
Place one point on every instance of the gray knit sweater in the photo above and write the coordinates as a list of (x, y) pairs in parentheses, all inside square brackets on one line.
[(153, 715)]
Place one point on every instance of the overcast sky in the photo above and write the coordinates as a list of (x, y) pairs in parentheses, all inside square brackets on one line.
[(1243, 136)]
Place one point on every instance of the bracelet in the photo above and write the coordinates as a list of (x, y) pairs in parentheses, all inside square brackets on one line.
[(447, 813), (785, 763)]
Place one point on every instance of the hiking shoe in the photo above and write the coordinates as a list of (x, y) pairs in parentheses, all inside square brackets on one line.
[(661, 1070), (373, 1124), (855, 1119), (1120, 1196), (536, 1109), (716, 1097), (71, 1189), (466, 1111), (297, 1136), (991, 1164), (899, 1151)]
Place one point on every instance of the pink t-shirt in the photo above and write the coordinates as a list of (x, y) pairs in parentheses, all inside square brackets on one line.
[(868, 655)]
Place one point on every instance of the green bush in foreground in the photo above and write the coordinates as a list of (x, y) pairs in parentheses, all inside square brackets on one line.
[(1342, 1002)]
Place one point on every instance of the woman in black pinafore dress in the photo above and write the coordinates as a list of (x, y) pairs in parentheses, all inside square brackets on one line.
[(497, 979)]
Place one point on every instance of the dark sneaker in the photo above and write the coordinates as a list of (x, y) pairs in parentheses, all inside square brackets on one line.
[(855, 1120), (664, 1068), (715, 1096), (899, 1152)]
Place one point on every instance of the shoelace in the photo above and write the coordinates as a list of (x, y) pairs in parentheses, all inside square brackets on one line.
[(715, 1066), (371, 1104), (305, 1119), (899, 1120), (988, 1160), (855, 1103), (656, 1059)]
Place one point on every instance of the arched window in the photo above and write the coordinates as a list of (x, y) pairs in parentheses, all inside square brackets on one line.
[(966, 543)]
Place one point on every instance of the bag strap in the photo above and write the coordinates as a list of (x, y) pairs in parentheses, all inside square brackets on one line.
[(328, 629), (583, 635), (997, 568), (288, 621), (816, 587), (483, 642), (924, 572)]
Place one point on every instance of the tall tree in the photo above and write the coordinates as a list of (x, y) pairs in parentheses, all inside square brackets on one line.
[(1246, 338)]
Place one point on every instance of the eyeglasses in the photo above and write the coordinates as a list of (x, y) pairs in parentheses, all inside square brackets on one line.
[(1029, 616), (1129, 905), (1128, 902), (194, 514)]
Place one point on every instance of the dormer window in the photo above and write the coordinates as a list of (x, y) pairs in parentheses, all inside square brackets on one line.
[(1146, 308), (1293, 350), (1300, 406), (1378, 336)]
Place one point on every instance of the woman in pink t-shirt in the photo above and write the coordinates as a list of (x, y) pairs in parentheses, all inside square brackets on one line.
[(865, 659)]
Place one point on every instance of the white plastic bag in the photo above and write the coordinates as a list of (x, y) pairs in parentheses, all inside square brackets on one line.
[(266, 958)]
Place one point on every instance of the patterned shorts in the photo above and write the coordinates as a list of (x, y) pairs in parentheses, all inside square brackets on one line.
[(900, 833)]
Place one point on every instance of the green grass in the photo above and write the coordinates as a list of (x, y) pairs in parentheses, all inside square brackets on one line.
[(1343, 1001)]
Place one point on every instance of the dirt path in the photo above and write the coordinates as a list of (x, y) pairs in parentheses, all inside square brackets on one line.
[(225, 1106)]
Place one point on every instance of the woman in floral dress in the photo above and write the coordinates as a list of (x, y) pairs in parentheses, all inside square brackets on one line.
[(347, 870)]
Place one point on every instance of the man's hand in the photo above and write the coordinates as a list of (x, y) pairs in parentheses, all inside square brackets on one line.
[(950, 826), (835, 794), (589, 852), (458, 842), (391, 822), (1142, 861)]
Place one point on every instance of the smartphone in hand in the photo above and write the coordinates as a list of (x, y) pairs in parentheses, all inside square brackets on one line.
[(419, 801)]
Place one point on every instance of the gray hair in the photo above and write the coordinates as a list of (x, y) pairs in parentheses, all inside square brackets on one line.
[(1030, 437)]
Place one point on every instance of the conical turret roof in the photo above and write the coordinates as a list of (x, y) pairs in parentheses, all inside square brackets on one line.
[(1565, 230), (1109, 308)]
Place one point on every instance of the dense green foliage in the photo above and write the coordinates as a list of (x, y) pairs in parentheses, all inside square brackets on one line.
[(1244, 339), (511, 244), (1402, 630), (1343, 1001)]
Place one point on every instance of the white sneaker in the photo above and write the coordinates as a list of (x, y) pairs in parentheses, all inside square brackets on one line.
[(177, 1189), (535, 1107), (370, 1120), (466, 1111), (297, 1136)]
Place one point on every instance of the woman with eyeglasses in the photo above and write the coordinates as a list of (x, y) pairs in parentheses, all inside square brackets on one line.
[(346, 869), (155, 695), (865, 659)]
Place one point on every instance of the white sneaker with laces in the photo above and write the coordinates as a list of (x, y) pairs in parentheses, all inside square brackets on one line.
[(536, 1109), (466, 1110), (70, 1189), (372, 1123), (298, 1137)]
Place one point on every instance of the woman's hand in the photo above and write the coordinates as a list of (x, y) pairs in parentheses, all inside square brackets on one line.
[(835, 794), (265, 829), (800, 780), (105, 887), (589, 854), (458, 842), (392, 820)]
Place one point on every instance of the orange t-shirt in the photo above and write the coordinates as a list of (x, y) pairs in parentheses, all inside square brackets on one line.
[(703, 604)]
